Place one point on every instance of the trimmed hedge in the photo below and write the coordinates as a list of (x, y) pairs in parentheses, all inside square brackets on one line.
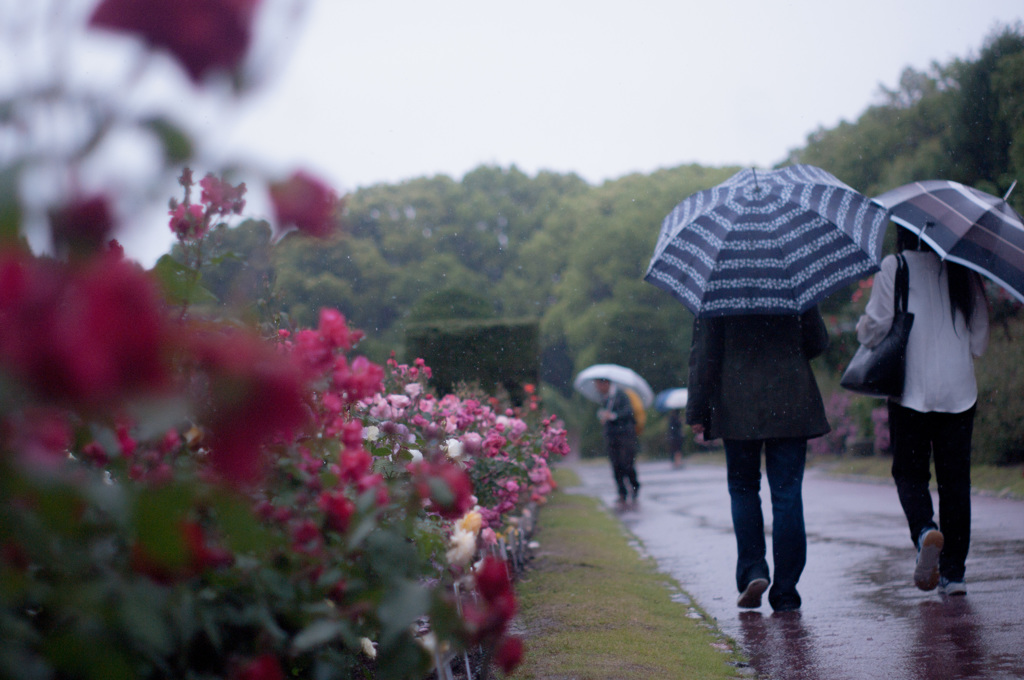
[(497, 355)]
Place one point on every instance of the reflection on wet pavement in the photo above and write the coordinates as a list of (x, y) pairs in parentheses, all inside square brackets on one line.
[(862, 617), (778, 645), (947, 644)]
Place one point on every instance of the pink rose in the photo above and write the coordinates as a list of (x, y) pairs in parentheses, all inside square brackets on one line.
[(188, 221), (222, 197)]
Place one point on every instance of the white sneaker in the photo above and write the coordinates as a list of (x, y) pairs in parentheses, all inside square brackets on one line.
[(929, 546), (952, 588)]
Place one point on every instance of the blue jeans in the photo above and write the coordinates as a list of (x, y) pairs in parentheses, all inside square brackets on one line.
[(784, 463)]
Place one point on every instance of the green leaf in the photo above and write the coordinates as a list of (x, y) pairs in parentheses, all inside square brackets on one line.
[(440, 492), (85, 658), (140, 614), (362, 530), (180, 284), (176, 143), (405, 602), (318, 634), (158, 516), (243, 531), (10, 206), (230, 256)]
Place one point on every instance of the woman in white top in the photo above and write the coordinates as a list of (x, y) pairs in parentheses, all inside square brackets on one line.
[(935, 415)]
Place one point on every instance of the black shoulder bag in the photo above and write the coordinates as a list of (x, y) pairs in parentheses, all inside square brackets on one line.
[(879, 371)]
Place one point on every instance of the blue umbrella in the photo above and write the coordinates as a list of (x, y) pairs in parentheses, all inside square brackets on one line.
[(670, 400), (767, 242)]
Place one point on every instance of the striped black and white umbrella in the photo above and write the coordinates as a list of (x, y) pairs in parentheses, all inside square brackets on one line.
[(964, 225), (767, 242)]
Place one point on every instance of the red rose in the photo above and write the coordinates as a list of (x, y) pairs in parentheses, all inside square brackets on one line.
[(354, 464), (256, 396), (307, 203), (83, 225), (448, 488), (263, 667), (203, 35), (337, 508), (492, 579), (87, 336), (509, 654)]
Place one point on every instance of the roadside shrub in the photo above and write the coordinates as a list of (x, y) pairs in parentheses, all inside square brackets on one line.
[(999, 427)]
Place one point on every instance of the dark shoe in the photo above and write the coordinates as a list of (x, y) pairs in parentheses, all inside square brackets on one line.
[(929, 546), (750, 598), (621, 505), (784, 602), (782, 607)]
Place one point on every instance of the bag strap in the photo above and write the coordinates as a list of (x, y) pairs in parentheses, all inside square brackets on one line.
[(901, 291)]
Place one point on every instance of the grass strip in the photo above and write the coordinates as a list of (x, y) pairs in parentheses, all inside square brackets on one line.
[(592, 608)]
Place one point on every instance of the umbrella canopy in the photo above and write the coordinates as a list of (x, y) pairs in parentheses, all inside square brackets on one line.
[(767, 242), (620, 375), (963, 225), (670, 400)]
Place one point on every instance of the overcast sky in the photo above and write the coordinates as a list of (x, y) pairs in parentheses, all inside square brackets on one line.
[(385, 90), (373, 91)]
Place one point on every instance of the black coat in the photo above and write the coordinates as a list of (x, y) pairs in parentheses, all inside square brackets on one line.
[(624, 423), (750, 376)]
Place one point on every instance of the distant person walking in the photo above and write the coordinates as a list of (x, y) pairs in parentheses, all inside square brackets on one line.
[(619, 425), (751, 385), (935, 415), (676, 439)]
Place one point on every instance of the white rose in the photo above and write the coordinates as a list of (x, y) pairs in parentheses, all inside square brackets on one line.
[(455, 450), (463, 548)]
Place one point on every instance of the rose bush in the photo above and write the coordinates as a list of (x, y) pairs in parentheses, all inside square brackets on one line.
[(279, 494), (188, 492)]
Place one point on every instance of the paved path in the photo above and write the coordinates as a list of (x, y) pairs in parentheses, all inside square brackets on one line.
[(862, 617)]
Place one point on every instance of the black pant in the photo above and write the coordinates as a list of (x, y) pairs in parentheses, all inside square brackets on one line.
[(622, 446), (916, 437)]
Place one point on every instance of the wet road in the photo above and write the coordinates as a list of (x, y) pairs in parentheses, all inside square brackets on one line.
[(862, 618)]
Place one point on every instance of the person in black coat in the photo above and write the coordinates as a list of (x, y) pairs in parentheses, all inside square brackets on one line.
[(619, 424), (751, 385)]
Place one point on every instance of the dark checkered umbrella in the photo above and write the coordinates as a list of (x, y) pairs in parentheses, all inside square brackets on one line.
[(963, 225), (767, 242)]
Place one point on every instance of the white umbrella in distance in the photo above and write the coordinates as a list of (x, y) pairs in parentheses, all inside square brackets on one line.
[(619, 375)]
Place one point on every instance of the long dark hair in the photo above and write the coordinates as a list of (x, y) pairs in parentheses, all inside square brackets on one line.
[(961, 297)]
